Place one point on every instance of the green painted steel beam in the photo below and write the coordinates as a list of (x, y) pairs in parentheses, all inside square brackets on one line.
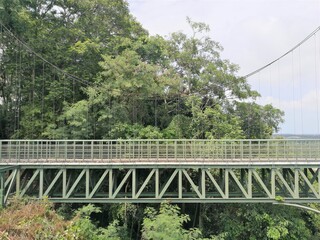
[(156, 184), (74, 185), (29, 182), (94, 190), (262, 184), (285, 183), (177, 200), (145, 183), (5, 168), (2, 202), (164, 189), (215, 183), (194, 187), (14, 173)]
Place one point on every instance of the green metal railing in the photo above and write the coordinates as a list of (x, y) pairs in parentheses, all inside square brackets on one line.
[(173, 150)]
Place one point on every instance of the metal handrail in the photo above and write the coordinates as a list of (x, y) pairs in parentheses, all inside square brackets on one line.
[(180, 150)]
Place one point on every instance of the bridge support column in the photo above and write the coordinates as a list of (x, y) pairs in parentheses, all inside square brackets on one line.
[(1, 190)]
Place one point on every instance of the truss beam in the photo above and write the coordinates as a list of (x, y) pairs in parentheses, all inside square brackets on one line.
[(156, 184)]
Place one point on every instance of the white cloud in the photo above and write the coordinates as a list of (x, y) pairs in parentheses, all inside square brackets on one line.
[(302, 114)]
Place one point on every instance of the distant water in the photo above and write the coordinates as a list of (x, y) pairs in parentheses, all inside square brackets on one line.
[(298, 136)]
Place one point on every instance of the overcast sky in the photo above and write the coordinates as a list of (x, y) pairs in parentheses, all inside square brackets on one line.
[(253, 33)]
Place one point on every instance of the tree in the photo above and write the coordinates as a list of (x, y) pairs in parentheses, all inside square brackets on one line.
[(210, 88), (203, 72), (73, 36), (255, 221), (259, 121), (128, 85), (167, 224)]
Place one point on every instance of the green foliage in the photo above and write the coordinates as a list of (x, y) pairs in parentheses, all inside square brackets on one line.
[(179, 128), (259, 121), (256, 221), (154, 87), (113, 232), (72, 35), (135, 131), (166, 224), (279, 198), (212, 123), (26, 219)]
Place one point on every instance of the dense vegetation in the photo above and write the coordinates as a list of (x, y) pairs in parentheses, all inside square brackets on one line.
[(107, 78), (128, 84), (39, 220)]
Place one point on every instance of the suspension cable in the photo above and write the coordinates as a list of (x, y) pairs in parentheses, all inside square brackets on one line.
[(300, 91), (316, 82), (283, 55), (78, 79)]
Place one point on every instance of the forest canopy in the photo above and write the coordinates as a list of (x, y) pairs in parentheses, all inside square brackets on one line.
[(88, 70)]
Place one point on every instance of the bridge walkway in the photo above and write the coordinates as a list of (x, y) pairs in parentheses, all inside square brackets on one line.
[(139, 171)]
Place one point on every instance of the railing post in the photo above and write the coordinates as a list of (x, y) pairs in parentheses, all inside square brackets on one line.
[(18, 151), (116, 146), (175, 149), (317, 157), (47, 151), (82, 150), (65, 150), (241, 150), (57, 150), (277, 147), (158, 150), (208, 149), (268, 149), (100, 149), (259, 149), (91, 150), (301, 150), (28, 150), (309, 150), (9, 150), (39, 150), (285, 153), (233, 149), (167, 152), (74, 150), (108, 151)]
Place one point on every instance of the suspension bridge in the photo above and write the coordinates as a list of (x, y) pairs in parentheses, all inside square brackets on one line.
[(144, 171)]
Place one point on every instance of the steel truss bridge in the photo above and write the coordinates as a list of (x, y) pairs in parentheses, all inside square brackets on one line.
[(144, 171)]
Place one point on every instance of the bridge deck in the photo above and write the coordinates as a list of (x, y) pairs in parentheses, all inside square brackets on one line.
[(156, 170), (173, 163)]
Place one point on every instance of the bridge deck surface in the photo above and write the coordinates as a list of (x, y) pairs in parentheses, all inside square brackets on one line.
[(164, 162)]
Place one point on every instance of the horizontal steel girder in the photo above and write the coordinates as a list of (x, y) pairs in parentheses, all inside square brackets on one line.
[(154, 184)]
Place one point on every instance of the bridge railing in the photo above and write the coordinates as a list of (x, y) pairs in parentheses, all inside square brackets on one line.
[(170, 150)]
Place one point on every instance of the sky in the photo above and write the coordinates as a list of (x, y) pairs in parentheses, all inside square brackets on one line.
[(254, 33)]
